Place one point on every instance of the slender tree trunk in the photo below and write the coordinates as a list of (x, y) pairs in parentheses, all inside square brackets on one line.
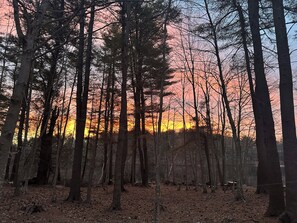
[(28, 114), (159, 124), (138, 100), (88, 139), (94, 152), (239, 191), (135, 133), (59, 14), (111, 141), (17, 157), (16, 178), (3, 67), (15, 169), (261, 181), (287, 112), (214, 161), (122, 138), (81, 100), (74, 194), (191, 66), (184, 133), (269, 166), (61, 144), (49, 140), (106, 126), (45, 155), (21, 83), (144, 140), (110, 156), (223, 120), (29, 162)]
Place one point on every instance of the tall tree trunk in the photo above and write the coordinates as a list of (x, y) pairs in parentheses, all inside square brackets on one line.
[(27, 119), (74, 194), (223, 120), (287, 112), (144, 140), (239, 191), (57, 161), (106, 125), (45, 156), (61, 144), (269, 166), (184, 133), (94, 153), (17, 157), (16, 163), (261, 181), (81, 100), (134, 142), (210, 139), (159, 124), (29, 161), (111, 141), (138, 100), (88, 139), (191, 66), (110, 156), (21, 83), (49, 142), (123, 128)]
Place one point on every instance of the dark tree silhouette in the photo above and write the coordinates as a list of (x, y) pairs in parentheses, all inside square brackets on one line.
[(122, 138), (287, 112)]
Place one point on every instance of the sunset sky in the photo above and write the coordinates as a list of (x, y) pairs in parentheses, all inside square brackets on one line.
[(6, 26)]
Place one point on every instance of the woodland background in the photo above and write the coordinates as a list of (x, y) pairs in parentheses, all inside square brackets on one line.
[(193, 93)]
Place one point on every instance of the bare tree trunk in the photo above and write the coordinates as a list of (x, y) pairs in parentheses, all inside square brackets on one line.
[(269, 166), (138, 100), (159, 124), (49, 94), (94, 153), (17, 158), (214, 161), (21, 83), (106, 125), (239, 191), (287, 112), (14, 173), (74, 194), (81, 100), (191, 67), (136, 125), (30, 159), (223, 120), (184, 133), (111, 141), (173, 154), (45, 150), (88, 139), (122, 138), (144, 140), (62, 140)]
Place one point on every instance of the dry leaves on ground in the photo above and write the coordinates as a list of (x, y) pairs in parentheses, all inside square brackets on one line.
[(181, 206)]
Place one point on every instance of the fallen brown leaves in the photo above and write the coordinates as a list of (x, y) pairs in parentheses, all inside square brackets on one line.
[(137, 204)]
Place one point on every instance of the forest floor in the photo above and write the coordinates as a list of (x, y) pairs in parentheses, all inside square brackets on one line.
[(180, 206)]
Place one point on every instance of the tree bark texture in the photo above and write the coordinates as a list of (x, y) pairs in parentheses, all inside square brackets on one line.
[(287, 112), (269, 165), (122, 137), (19, 90)]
